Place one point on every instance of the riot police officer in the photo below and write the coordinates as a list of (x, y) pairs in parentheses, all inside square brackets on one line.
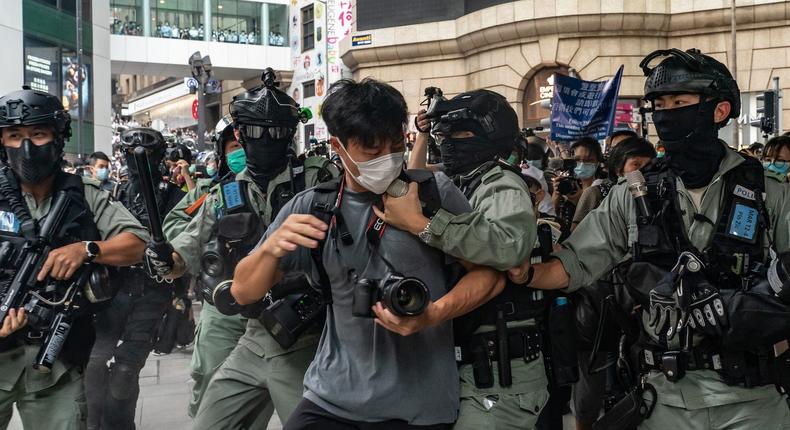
[(35, 128), (217, 334), (476, 132), (126, 330), (259, 372), (700, 228)]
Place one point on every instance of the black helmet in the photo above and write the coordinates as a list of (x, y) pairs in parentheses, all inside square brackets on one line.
[(690, 72), (483, 112), (31, 107), (266, 109), (147, 138)]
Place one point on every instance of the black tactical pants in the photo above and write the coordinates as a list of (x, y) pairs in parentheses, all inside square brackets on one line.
[(125, 335)]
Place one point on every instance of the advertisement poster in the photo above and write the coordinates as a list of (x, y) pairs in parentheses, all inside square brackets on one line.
[(75, 85), (322, 64)]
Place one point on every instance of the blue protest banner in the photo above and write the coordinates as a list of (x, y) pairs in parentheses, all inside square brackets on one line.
[(583, 108)]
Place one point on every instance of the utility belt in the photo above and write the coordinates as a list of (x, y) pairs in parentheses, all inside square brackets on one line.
[(481, 350), (518, 303), (746, 369)]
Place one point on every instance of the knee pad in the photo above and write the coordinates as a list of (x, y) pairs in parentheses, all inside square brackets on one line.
[(123, 380)]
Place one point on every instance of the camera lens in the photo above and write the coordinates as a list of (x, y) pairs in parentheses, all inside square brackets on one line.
[(406, 297)]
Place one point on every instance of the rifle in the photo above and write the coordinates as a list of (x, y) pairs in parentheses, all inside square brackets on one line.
[(33, 255)]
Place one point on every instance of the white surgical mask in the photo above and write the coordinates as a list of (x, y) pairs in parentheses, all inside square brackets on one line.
[(377, 174)]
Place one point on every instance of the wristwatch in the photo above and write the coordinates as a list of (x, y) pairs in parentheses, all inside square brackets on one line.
[(92, 250), (425, 234)]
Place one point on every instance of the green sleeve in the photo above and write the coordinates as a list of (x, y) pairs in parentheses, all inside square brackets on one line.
[(778, 205), (177, 219), (499, 232), (111, 217), (189, 242), (601, 240), (590, 199)]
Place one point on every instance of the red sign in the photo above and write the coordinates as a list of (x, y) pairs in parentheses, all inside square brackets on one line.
[(195, 109)]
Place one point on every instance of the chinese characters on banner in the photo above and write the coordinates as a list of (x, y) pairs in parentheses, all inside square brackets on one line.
[(583, 108)]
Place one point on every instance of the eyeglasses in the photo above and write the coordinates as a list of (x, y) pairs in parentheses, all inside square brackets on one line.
[(256, 131)]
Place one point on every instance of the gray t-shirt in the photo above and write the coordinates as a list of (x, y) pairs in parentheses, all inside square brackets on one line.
[(362, 371)]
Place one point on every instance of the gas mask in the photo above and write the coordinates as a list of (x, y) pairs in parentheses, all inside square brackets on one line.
[(34, 163)]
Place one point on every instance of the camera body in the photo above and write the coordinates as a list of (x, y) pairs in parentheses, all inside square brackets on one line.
[(403, 296), (567, 183), (289, 317)]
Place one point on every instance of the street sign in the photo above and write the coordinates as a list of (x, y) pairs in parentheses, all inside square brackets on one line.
[(195, 109)]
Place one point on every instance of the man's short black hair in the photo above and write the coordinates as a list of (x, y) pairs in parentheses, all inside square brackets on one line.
[(592, 145), (96, 156), (531, 182), (369, 111)]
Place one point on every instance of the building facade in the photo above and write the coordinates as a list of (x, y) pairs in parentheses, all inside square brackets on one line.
[(513, 47), (317, 29), (40, 45)]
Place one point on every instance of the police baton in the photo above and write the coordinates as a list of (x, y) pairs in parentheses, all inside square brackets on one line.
[(149, 195)]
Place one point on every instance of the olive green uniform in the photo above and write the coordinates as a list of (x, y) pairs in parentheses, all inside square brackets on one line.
[(500, 232), (258, 373), (216, 334), (56, 400), (696, 401)]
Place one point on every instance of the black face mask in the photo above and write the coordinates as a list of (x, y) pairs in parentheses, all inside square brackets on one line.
[(266, 158), (34, 163), (690, 138), (462, 155)]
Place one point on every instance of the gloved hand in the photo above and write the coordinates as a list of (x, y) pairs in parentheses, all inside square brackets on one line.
[(158, 259), (705, 310), (664, 311)]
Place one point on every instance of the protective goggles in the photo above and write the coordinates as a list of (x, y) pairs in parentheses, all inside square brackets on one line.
[(257, 131), (140, 138)]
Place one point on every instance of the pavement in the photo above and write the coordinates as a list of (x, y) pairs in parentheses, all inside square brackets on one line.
[(165, 387)]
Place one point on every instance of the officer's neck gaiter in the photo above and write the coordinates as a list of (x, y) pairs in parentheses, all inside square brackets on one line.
[(690, 138), (266, 158)]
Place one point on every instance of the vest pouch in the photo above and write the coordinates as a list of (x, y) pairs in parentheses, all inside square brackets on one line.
[(240, 231), (589, 307), (642, 277), (758, 319)]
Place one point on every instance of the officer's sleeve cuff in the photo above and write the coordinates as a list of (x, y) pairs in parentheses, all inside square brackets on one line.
[(182, 248), (572, 267), (439, 222)]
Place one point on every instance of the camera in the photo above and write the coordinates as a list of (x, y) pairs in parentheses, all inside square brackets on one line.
[(567, 183), (287, 318), (433, 95), (403, 296)]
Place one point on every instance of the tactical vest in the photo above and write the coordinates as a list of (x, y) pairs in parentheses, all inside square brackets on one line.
[(517, 302), (239, 228), (78, 226), (735, 259)]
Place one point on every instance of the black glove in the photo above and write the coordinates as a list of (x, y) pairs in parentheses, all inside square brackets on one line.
[(705, 310), (664, 310), (158, 259)]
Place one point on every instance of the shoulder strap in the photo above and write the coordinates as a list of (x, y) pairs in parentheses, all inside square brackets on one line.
[(474, 182), (324, 208), (429, 194)]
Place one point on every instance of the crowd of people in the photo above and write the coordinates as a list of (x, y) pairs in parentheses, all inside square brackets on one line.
[(132, 28), (479, 276)]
